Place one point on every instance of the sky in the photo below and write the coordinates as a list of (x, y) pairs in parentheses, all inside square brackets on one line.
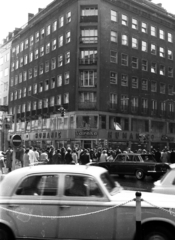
[(14, 13)]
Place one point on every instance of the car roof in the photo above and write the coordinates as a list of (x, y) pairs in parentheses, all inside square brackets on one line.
[(11, 179)]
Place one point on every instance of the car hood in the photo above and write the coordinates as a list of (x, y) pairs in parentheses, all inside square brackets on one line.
[(149, 199)]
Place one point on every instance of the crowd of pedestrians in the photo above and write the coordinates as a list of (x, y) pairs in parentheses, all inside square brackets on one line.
[(33, 155)]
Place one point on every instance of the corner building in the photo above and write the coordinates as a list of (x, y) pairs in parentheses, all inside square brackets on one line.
[(105, 62)]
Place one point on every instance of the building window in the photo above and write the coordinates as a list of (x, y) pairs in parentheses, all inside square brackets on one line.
[(61, 21), (16, 79), (135, 82), (46, 85), (46, 103), (89, 36), (162, 70), (153, 49), (52, 101), (153, 67), (113, 78), (113, 36), (68, 17), (134, 104), (113, 57), (135, 62), (124, 40), (162, 88), (144, 103), (145, 84), (21, 62), (6, 72), (41, 51), (153, 31), (170, 54), (60, 60), (113, 98), (161, 34), (19, 93), (25, 75), (144, 27), (37, 37), (124, 80), (48, 30), (17, 64), (42, 33), (124, 59), (35, 88), (52, 82), (31, 41), (144, 46), (60, 41), (28, 106), (54, 44), (11, 96), (54, 26), (35, 71), (30, 73), (153, 86), (46, 66), (144, 65), (17, 49), (25, 59), (47, 48), (170, 37), (124, 20), (161, 52), (170, 72), (30, 56), (24, 92), (68, 37), (12, 67), (59, 80), (40, 86), (40, 104), (134, 24), (170, 90), (26, 43), (34, 105), (88, 78), (41, 69), (36, 53), (135, 43), (67, 58), (66, 78), (29, 91), (66, 98), (21, 46), (53, 63), (114, 16), (124, 102), (58, 100), (11, 81)]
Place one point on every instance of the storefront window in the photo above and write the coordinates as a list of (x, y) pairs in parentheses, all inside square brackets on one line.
[(171, 127), (158, 127), (139, 125), (102, 122), (87, 121)]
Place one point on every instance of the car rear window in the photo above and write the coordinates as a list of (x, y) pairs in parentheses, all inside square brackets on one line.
[(39, 185)]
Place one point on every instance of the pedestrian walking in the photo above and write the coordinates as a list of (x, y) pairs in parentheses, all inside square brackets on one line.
[(56, 158), (68, 157), (26, 161), (8, 154)]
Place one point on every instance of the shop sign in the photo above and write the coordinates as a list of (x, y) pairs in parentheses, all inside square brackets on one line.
[(48, 135), (128, 136), (86, 133)]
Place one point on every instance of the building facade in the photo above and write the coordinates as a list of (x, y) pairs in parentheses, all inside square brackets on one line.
[(105, 62)]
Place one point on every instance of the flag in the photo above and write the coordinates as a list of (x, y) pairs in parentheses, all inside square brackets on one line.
[(117, 126)]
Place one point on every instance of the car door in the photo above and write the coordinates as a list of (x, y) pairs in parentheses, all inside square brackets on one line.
[(32, 206), (82, 210)]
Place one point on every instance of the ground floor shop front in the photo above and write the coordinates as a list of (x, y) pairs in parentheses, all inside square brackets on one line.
[(79, 138)]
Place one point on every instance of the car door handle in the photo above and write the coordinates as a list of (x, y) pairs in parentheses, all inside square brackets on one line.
[(64, 206), (13, 206)]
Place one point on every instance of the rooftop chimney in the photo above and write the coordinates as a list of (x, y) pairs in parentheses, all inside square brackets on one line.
[(30, 16)]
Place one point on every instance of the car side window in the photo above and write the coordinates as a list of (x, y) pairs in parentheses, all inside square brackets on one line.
[(136, 159), (39, 185), (81, 186), (120, 158), (129, 158)]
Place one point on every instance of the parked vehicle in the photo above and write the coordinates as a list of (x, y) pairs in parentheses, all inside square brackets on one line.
[(166, 184), (78, 202), (140, 165)]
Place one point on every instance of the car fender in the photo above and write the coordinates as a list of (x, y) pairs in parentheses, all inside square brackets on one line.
[(158, 219), (7, 224)]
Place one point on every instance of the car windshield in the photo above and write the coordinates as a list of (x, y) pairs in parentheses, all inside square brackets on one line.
[(148, 158), (110, 184)]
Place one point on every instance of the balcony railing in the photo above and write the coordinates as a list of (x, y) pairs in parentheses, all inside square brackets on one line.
[(134, 109), (89, 40), (113, 106), (87, 105), (88, 19), (88, 61)]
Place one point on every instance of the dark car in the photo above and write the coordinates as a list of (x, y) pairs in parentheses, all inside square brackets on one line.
[(140, 165)]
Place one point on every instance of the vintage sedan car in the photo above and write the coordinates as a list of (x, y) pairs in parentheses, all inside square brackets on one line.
[(78, 202), (140, 165), (166, 184)]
